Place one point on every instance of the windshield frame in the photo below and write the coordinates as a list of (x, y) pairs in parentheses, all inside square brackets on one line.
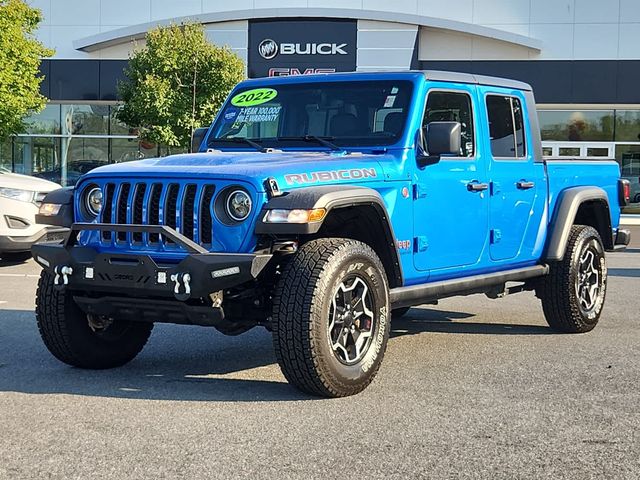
[(369, 142)]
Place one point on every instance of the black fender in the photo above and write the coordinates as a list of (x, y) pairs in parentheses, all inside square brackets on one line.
[(564, 217), (64, 217), (331, 198)]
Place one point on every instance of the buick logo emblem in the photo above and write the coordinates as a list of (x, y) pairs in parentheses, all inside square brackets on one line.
[(268, 49)]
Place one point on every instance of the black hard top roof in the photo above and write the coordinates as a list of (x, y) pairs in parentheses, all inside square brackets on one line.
[(442, 76), (431, 75)]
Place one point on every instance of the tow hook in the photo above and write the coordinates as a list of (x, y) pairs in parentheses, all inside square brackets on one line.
[(185, 279), (64, 272)]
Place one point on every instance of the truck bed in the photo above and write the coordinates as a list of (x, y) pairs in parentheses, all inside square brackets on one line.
[(567, 172)]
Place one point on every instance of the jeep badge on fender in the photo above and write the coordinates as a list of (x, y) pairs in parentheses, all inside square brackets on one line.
[(321, 207)]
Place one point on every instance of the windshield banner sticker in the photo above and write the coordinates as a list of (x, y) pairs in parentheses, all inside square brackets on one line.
[(258, 114), (326, 176), (254, 97)]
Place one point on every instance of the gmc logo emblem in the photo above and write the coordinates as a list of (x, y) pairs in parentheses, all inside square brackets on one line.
[(289, 72)]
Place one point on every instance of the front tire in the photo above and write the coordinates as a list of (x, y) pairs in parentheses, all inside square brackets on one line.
[(75, 339), (331, 317), (573, 293)]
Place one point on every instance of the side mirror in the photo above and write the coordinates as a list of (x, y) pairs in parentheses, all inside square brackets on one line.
[(196, 139), (441, 138)]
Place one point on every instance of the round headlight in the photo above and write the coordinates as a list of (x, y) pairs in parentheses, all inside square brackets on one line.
[(93, 201), (238, 205)]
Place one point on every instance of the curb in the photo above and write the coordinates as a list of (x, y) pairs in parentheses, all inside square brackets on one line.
[(630, 219)]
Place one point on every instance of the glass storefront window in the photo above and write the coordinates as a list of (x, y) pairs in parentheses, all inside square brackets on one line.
[(629, 158), (577, 126), (627, 125), (116, 127), (124, 150), (85, 119), (5, 153), (597, 152), (45, 122), (82, 155), (569, 152)]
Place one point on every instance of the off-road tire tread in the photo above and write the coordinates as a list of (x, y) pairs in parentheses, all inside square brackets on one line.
[(561, 314), (294, 300), (51, 308)]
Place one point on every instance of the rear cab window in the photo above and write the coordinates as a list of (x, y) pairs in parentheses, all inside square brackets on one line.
[(506, 127)]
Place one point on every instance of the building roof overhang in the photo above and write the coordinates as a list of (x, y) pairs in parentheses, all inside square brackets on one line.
[(136, 32)]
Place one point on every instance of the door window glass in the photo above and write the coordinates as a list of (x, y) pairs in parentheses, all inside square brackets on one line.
[(506, 127), (452, 107)]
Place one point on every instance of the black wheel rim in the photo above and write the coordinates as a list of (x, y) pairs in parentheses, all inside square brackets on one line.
[(589, 279), (351, 320)]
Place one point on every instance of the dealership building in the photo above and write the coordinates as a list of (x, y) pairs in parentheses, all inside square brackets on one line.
[(581, 56)]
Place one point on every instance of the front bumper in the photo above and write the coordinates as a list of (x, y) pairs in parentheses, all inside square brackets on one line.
[(48, 235), (198, 275)]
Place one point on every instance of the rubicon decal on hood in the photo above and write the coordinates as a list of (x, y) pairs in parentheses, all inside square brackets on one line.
[(328, 175)]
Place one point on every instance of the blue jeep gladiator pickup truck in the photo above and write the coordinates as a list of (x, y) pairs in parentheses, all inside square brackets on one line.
[(322, 206)]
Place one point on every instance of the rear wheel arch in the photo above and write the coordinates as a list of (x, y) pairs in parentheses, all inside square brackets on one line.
[(578, 206)]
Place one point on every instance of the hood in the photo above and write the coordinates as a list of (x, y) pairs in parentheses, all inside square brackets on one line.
[(25, 182), (290, 169)]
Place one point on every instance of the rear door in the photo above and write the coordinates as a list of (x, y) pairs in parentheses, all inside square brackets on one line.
[(515, 182)]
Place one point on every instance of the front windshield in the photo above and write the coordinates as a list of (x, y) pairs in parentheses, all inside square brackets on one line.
[(348, 114)]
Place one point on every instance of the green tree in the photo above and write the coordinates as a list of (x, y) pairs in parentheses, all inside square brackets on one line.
[(176, 83), (20, 56)]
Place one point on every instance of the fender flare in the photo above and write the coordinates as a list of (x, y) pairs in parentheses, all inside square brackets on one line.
[(330, 197), (564, 216)]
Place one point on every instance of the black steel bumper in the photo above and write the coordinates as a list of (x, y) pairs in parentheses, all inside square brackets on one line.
[(83, 269)]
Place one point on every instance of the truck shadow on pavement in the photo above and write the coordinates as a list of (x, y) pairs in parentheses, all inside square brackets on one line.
[(189, 363), (425, 320)]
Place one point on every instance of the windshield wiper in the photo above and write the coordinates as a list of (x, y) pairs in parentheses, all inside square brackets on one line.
[(248, 141), (313, 138)]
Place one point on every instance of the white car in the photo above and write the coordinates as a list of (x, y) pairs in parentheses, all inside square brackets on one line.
[(20, 198)]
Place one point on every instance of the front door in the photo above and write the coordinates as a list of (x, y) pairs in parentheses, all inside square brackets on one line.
[(451, 197)]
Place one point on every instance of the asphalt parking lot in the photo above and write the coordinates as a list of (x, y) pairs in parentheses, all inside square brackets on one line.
[(472, 388)]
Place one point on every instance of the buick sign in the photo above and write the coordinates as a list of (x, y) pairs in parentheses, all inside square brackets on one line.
[(268, 49), (294, 47)]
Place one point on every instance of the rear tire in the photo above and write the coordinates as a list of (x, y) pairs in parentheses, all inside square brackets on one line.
[(330, 317), (76, 340), (574, 292)]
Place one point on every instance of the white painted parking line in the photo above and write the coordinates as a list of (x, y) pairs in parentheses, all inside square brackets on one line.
[(14, 275)]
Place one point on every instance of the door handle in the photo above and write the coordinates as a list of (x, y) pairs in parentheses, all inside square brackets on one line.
[(477, 187), (524, 185)]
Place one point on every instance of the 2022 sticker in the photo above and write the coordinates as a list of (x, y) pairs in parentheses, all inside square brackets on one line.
[(254, 97)]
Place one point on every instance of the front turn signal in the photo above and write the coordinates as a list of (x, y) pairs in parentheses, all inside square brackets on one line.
[(296, 215)]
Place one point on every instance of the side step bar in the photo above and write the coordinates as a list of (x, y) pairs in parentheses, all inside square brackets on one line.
[(419, 294)]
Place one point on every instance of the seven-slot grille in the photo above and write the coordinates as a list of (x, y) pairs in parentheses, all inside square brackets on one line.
[(183, 207)]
